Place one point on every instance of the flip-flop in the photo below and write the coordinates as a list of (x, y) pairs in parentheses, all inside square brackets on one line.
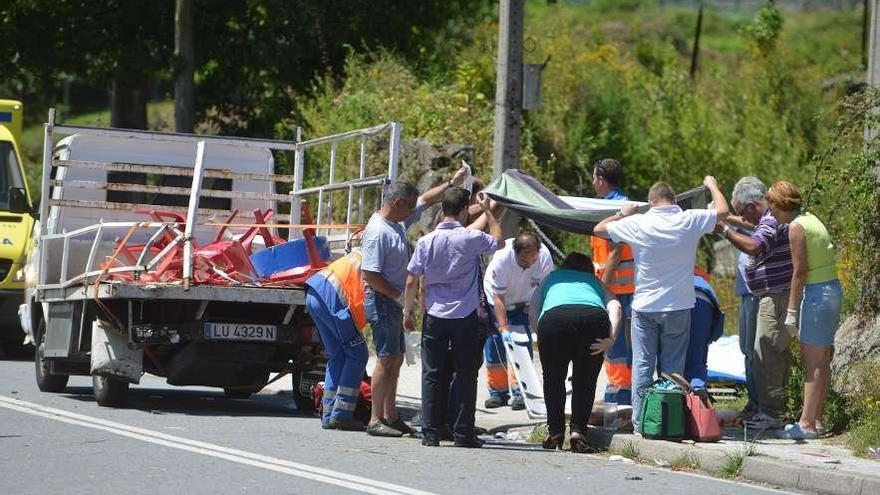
[(795, 432)]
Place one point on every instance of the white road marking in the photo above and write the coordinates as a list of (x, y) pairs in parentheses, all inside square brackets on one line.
[(350, 481)]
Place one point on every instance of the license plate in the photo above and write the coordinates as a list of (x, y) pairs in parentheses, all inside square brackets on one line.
[(240, 331)]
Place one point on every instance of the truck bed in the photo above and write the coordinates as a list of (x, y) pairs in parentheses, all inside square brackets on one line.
[(120, 290)]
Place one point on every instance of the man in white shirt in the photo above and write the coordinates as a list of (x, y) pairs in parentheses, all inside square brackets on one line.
[(511, 278), (664, 243)]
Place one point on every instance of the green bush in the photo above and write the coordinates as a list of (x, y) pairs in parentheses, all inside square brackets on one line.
[(865, 409)]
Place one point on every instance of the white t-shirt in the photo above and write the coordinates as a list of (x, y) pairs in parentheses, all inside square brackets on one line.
[(664, 244), (505, 276)]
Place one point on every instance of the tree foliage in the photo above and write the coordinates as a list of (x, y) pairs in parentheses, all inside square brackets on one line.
[(251, 55)]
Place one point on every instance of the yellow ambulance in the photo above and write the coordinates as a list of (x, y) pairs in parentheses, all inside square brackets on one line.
[(16, 225)]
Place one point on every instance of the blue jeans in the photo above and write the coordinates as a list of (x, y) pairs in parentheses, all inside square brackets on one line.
[(386, 320), (347, 356), (657, 337), (748, 323)]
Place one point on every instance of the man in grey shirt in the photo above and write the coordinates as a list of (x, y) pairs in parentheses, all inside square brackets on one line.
[(386, 252)]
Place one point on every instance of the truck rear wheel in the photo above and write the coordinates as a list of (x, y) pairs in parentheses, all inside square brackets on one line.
[(109, 391), (46, 382), (257, 378)]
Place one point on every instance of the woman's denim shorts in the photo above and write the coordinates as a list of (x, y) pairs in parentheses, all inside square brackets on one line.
[(820, 313)]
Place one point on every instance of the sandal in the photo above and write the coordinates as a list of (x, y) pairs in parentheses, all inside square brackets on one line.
[(794, 431), (578, 443), (553, 442)]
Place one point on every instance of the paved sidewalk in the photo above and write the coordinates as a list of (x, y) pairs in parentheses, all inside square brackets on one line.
[(815, 466)]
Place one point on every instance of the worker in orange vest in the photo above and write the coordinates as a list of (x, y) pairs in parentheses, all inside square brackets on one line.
[(335, 301), (614, 266)]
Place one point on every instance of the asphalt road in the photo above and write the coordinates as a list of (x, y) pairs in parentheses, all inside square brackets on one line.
[(193, 440)]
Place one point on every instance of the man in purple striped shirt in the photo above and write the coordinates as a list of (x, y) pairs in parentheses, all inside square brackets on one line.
[(448, 260), (768, 271)]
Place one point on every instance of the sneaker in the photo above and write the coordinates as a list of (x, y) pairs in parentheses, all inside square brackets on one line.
[(748, 412), (762, 421), (468, 443), (518, 403), (399, 425), (325, 425), (430, 442), (795, 432), (495, 402), (345, 424), (380, 429)]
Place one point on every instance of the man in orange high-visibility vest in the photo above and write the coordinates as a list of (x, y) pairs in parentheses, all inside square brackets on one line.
[(613, 264), (335, 300)]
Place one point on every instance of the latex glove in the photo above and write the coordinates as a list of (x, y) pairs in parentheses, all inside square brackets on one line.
[(791, 322), (506, 336), (629, 209), (409, 322), (460, 175), (410, 351)]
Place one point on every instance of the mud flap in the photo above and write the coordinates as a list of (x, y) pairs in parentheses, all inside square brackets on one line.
[(112, 355)]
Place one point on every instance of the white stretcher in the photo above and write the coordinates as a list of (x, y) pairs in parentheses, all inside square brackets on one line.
[(523, 368)]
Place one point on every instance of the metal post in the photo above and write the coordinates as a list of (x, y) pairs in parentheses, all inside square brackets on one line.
[(508, 87), (64, 250), (332, 180), (299, 158), (362, 171), (394, 151), (192, 214), (48, 129)]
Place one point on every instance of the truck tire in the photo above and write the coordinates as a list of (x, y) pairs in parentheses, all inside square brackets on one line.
[(237, 393), (258, 378), (45, 381), (305, 404), (109, 391)]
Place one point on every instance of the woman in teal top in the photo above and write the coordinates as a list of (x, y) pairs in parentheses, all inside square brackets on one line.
[(569, 311), (815, 296)]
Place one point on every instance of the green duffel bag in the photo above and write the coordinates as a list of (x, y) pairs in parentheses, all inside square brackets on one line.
[(663, 412)]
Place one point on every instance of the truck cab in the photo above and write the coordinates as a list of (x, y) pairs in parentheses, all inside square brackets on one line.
[(16, 225)]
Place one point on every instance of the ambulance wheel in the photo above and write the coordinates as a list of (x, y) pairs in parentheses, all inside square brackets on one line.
[(109, 391), (46, 382)]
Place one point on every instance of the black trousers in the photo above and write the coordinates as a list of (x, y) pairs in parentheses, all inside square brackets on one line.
[(565, 334), (439, 335)]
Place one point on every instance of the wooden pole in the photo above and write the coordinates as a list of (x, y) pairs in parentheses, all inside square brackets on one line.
[(696, 54)]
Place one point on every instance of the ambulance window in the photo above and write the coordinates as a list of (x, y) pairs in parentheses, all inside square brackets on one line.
[(10, 173)]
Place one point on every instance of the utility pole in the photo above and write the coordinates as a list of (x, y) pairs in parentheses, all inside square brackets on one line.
[(865, 27), (696, 54), (184, 55), (508, 98), (508, 87), (873, 56)]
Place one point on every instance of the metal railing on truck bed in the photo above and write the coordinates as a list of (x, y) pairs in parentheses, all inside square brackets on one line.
[(71, 262)]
